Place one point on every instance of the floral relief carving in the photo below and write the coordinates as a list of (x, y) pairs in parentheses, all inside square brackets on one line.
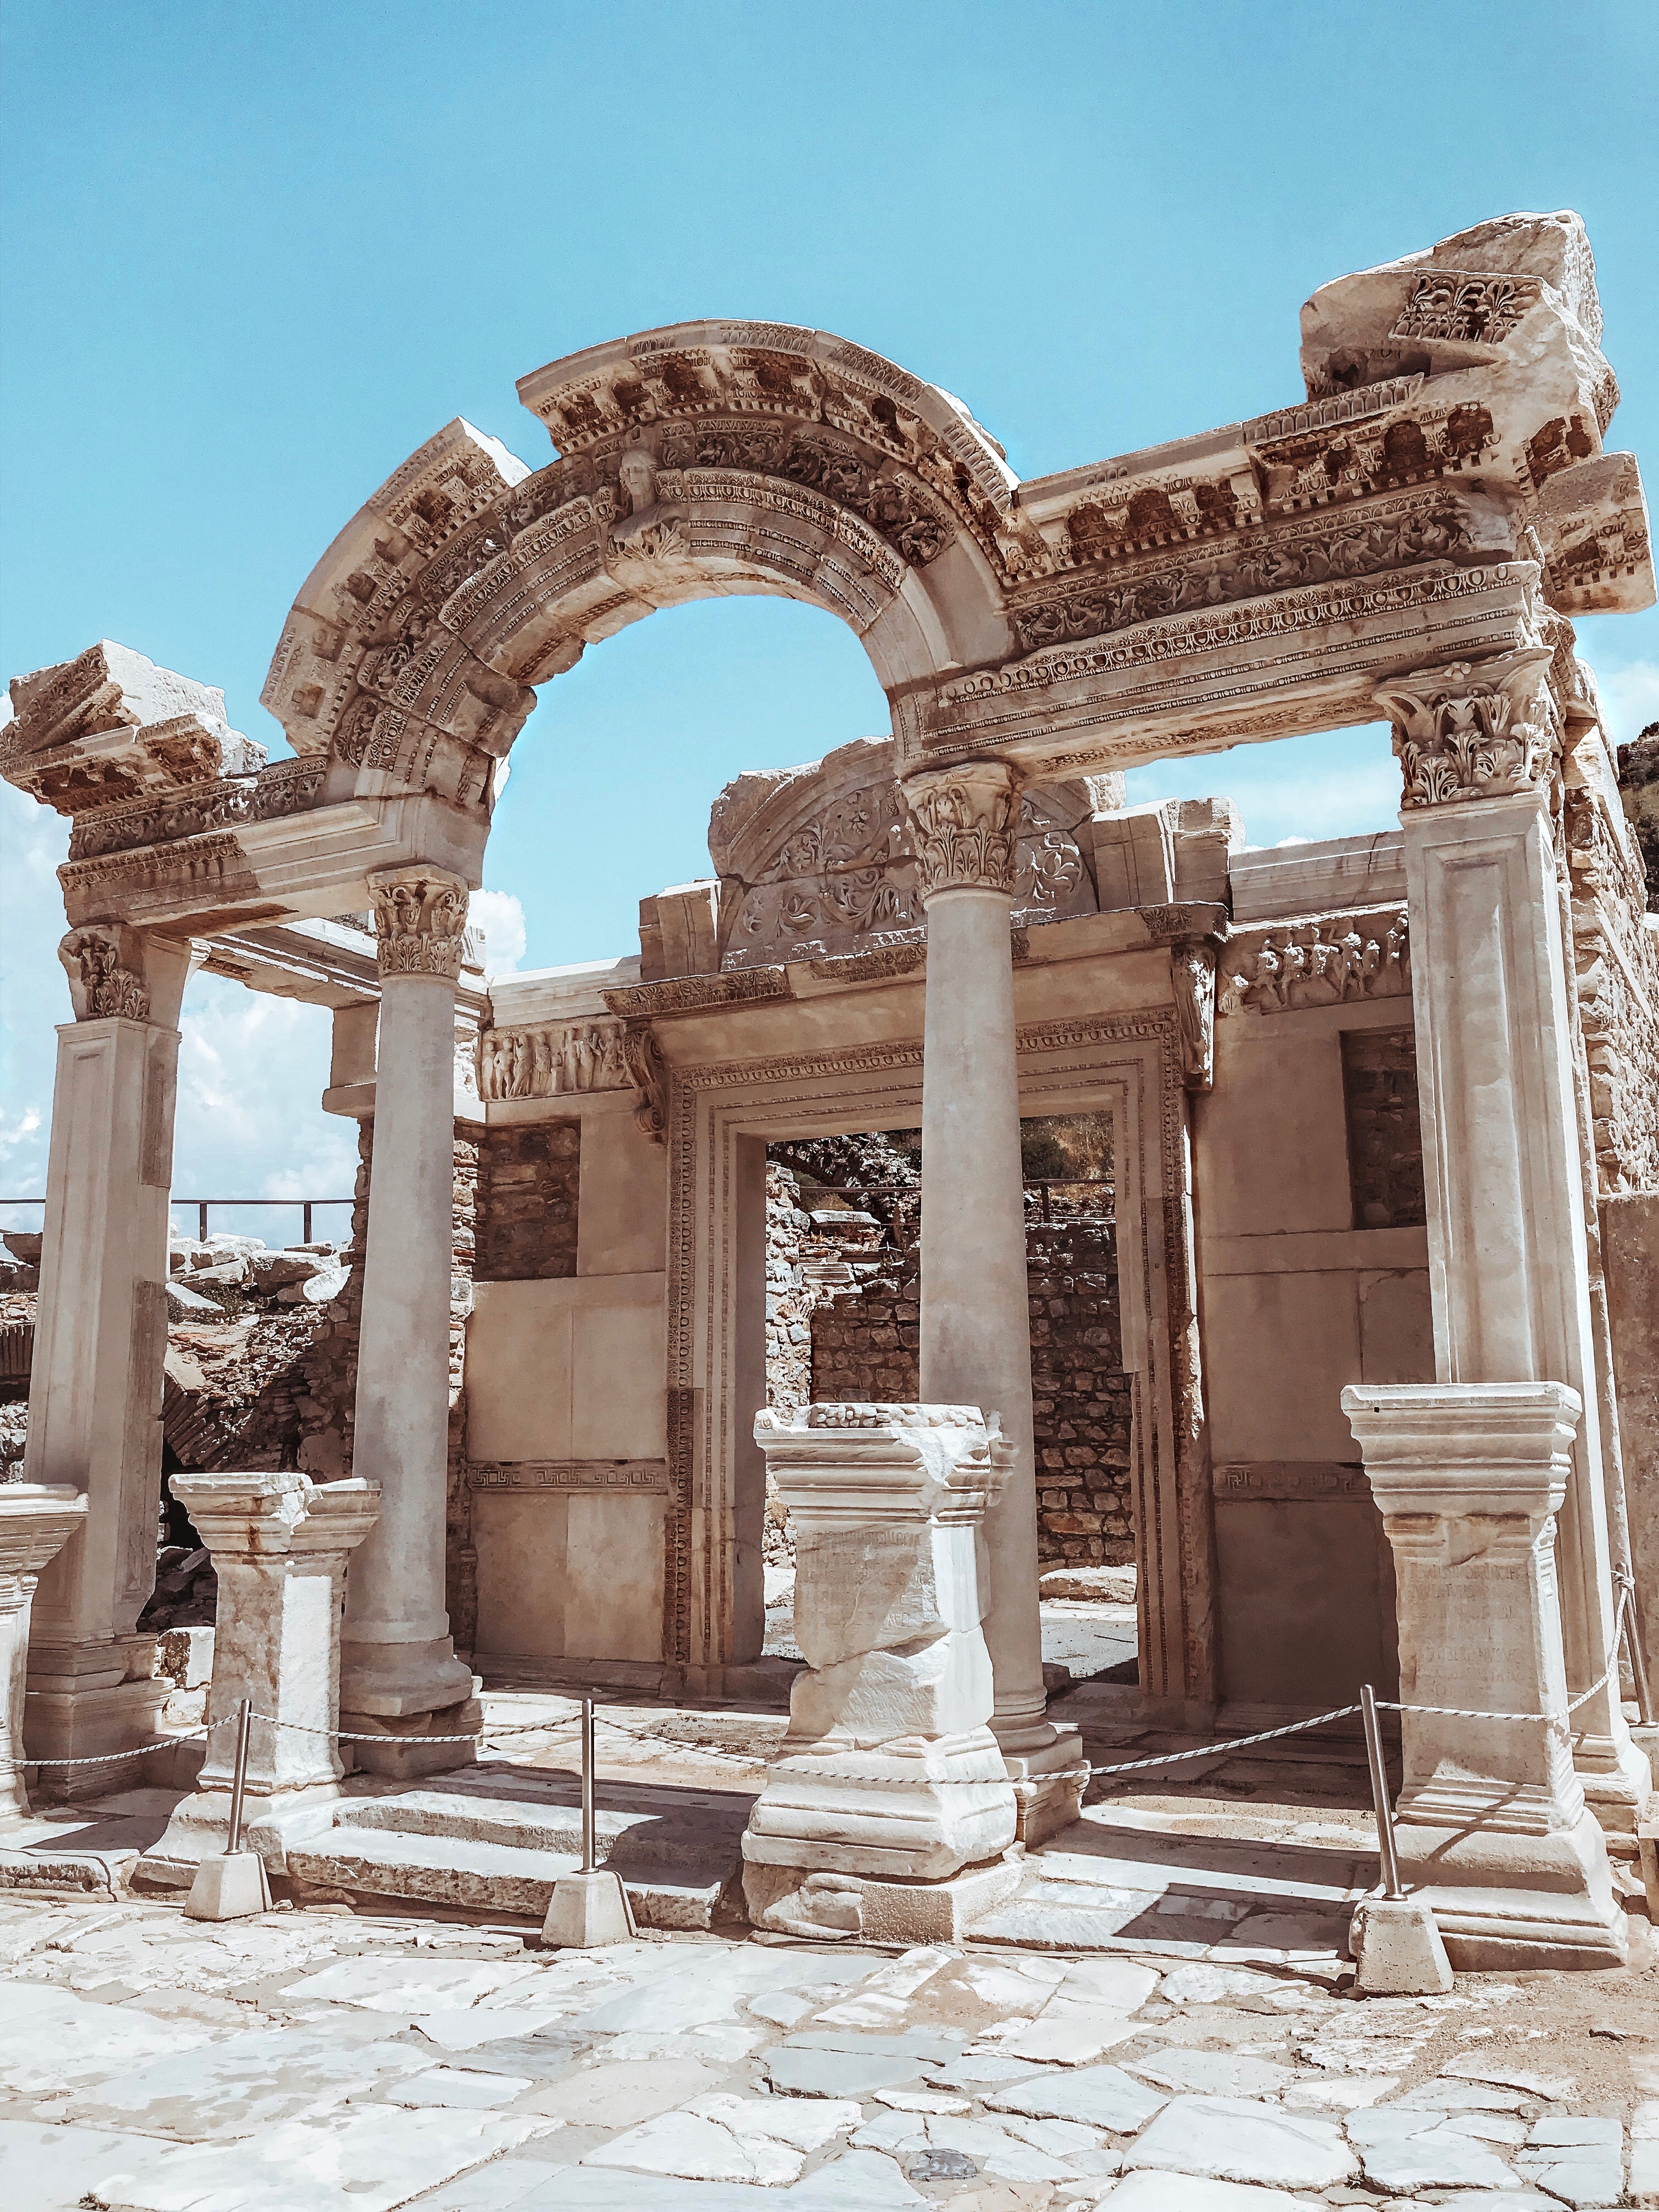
[(101, 987), (1473, 732), (963, 826), (1323, 962), (545, 1061), (649, 1073), (420, 917), (1257, 567), (1464, 310)]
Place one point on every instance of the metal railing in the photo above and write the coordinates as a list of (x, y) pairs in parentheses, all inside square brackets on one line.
[(202, 1205)]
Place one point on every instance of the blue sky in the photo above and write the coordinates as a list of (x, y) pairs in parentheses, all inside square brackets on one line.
[(252, 257)]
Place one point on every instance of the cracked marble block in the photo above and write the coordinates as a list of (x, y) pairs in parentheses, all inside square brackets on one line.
[(37, 1519), (888, 1810), (280, 1543), (1492, 1825)]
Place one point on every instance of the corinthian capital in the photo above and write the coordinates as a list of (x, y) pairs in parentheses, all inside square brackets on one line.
[(1480, 730), (103, 966), (963, 823), (419, 916)]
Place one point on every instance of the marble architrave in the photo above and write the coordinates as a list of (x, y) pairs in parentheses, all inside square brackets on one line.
[(95, 1385), (1503, 1164), (887, 1810), (280, 1544), (36, 1521), (1491, 1825)]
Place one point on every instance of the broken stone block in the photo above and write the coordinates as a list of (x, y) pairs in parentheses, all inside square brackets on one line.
[(280, 1543), (37, 1520), (23, 1244), (886, 1503), (276, 1271)]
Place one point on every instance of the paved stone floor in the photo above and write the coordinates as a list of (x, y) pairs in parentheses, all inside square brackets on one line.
[(331, 2061)]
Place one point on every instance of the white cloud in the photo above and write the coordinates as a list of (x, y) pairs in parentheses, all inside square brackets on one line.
[(252, 1069), (500, 917), (1630, 698), (1333, 783)]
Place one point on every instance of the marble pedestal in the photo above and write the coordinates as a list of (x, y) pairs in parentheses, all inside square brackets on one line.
[(36, 1521), (887, 1811), (1491, 1825), (280, 1543)]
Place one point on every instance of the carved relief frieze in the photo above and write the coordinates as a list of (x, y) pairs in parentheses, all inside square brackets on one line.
[(420, 919), (1313, 552), (1467, 732), (907, 518), (288, 787), (1330, 961), (560, 1475), (187, 869), (547, 1060)]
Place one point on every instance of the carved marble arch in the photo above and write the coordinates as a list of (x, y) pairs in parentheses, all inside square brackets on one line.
[(707, 459)]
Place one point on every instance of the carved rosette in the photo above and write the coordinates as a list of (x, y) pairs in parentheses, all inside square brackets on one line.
[(1486, 730), (963, 824), (101, 987), (420, 916)]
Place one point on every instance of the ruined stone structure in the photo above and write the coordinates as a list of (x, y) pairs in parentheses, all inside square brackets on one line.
[(1371, 1098)]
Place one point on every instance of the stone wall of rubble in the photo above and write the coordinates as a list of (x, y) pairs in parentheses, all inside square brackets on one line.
[(866, 1344)]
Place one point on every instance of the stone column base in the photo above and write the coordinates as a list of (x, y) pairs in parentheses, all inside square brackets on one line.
[(199, 1829), (793, 1901), (904, 1814), (1506, 1900), (1049, 1781), (84, 1723), (407, 1746)]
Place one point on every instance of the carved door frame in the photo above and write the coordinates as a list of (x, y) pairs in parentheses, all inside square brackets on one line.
[(1128, 1065)]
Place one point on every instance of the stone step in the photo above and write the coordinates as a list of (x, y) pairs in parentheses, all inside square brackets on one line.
[(482, 1876), (632, 1842)]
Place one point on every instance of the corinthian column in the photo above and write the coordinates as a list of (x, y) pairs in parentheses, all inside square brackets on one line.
[(976, 1326), (1508, 1266), (100, 1337), (399, 1677)]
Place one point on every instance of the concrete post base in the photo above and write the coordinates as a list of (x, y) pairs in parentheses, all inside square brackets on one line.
[(231, 1886), (586, 1910), (790, 1901), (1397, 1949)]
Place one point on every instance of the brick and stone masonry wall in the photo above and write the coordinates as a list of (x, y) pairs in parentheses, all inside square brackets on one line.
[(866, 1344)]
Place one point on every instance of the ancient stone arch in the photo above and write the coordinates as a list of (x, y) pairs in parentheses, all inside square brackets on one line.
[(696, 461)]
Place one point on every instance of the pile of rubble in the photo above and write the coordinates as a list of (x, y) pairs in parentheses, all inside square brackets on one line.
[(201, 1271)]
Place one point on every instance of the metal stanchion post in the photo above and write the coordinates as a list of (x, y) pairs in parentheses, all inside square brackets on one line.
[(1635, 1645), (239, 1777), (587, 1785), (1380, 1793)]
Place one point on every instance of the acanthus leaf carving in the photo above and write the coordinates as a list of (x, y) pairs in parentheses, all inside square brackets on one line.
[(649, 1073), (1467, 732), (963, 823), (101, 987), (420, 919)]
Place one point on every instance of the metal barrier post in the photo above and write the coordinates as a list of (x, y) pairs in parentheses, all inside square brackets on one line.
[(1635, 1645), (587, 1785), (304, 1216), (238, 1779), (201, 1220), (1391, 1886)]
